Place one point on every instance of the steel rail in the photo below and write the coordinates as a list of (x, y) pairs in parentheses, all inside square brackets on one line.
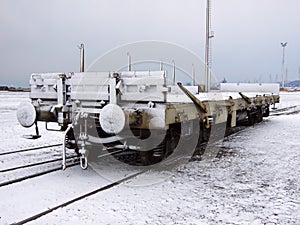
[(43, 213), (29, 149), (34, 164)]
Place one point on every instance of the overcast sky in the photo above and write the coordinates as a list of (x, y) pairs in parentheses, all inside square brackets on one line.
[(42, 36)]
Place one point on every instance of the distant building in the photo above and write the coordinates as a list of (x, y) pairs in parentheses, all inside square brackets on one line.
[(21, 89), (224, 81), (4, 88), (12, 89)]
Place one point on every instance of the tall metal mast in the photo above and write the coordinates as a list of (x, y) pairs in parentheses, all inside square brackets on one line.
[(129, 61), (209, 35), (81, 47), (283, 44)]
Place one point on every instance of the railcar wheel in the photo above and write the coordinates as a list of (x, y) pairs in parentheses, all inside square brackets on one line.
[(150, 154), (149, 147), (164, 149), (259, 115), (146, 158), (251, 118), (267, 112)]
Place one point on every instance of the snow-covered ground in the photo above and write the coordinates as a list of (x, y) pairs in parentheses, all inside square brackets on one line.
[(257, 181), (289, 99), (12, 132)]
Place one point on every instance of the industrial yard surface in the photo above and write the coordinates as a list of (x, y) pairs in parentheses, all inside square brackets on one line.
[(256, 181)]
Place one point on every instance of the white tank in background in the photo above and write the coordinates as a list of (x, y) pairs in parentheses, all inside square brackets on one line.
[(250, 87)]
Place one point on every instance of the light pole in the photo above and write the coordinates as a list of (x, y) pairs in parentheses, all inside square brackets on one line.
[(174, 71), (283, 44), (129, 61), (81, 48), (209, 35)]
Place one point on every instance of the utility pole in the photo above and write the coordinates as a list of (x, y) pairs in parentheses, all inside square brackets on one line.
[(283, 44), (81, 48), (193, 75), (174, 73), (129, 61), (209, 35), (286, 75)]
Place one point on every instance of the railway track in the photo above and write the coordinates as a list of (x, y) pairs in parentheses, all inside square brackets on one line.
[(78, 198), (285, 111), (44, 172), (34, 167), (71, 161), (34, 164), (29, 149)]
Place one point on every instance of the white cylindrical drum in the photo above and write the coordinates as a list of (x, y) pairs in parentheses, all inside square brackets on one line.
[(26, 114), (112, 119)]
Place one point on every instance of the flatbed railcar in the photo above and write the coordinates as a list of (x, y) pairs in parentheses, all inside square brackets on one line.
[(135, 111)]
